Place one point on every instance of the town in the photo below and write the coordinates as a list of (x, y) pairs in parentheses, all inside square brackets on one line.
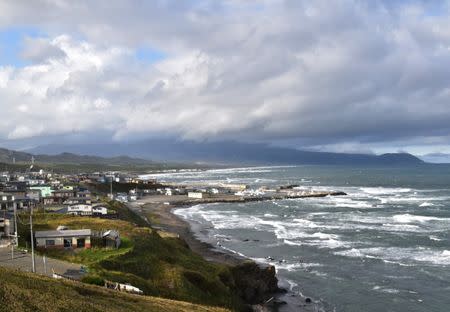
[(87, 194), (80, 226)]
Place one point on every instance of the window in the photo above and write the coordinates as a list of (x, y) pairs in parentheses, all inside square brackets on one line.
[(49, 242), (67, 243), (80, 242)]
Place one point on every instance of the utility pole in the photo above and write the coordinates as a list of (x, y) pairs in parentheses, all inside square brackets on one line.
[(15, 242), (111, 190), (44, 259), (33, 262), (16, 239)]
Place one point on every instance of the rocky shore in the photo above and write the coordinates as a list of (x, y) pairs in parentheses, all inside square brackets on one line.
[(257, 284)]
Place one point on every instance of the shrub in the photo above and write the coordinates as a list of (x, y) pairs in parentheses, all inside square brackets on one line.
[(93, 279)]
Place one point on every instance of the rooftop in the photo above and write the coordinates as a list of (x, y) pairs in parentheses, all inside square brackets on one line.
[(63, 233)]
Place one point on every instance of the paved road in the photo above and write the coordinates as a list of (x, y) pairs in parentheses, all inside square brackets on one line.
[(22, 261)]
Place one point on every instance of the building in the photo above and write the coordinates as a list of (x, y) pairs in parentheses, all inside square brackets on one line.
[(60, 196), (99, 210), (63, 238), (24, 202), (7, 201), (83, 194), (195, 195), (5, 228), (78, 200), (80, 210), (46, 191), (111, 239)]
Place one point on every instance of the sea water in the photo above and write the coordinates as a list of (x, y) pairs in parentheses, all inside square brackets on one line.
[(383, 247)]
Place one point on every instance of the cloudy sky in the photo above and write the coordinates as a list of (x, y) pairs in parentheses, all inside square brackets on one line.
[(342, 75)]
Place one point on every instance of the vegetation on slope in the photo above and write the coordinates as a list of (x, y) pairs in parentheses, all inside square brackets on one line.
[(29, 292), (160, 266)]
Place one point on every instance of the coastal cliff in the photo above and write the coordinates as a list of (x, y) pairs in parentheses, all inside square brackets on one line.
[(246, 280), (255, 284)]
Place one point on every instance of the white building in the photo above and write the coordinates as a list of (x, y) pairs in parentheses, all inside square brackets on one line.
[(195, 194), (99, 210), (80, 210)]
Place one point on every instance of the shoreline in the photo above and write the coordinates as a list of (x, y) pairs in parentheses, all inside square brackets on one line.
[(282, 300)]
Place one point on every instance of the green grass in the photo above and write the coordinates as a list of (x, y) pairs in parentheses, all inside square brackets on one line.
[(123, 213), (21, 292), (160, 266), (167, 267)]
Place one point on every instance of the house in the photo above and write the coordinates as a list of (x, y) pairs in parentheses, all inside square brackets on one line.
[(46, 191), (7, 201), (99, 210), (24, 202), (78, 200), (83, 194), (63, 238), (111, 239), (60, 196), (33, 194), (79, 210)]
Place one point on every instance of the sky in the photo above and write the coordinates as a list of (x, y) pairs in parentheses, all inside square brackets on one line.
[(345, 75)]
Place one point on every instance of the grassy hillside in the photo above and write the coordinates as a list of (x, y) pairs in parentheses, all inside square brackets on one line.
[(29, 292), (160, 266)]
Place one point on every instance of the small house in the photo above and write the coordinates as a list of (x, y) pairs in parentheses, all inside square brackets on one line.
[(63, 238), (111, 239), (99, 210)]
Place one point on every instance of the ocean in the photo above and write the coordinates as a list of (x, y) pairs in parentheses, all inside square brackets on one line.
[(383, 247)]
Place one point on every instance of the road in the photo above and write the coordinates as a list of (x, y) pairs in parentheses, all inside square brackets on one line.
[(22, 261)]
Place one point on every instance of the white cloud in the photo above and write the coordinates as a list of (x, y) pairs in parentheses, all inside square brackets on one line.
[(334, 74)]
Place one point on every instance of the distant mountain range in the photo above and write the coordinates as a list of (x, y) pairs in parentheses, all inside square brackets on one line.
[(228, 152), (8, 156)]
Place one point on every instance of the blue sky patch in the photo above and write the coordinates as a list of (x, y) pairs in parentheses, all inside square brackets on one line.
[(149, 55), (11, 45)]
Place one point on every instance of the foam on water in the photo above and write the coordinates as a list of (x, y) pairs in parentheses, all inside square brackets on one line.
[(404, 255), (386, 289), (408, 218), (385, 235), (287, 266), (384, 190)]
